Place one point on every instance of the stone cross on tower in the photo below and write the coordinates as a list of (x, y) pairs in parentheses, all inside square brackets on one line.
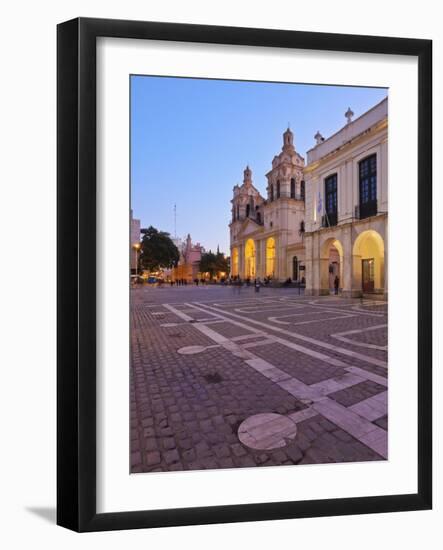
[(349, 114), (318, 138)]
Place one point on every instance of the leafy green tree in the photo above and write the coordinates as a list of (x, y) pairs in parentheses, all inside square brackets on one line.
[(208, 263), (213, 263), (157, 250), (222, 263)]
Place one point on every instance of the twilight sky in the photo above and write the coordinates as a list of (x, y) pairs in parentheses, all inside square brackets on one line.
[(192, 138)]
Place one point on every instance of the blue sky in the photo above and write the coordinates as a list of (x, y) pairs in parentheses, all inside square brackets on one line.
[(192, 138)]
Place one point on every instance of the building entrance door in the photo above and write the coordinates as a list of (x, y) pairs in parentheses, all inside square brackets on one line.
[(368, 275)]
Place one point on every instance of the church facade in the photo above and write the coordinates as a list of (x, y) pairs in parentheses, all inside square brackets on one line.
[(323, 220), (266, 235)]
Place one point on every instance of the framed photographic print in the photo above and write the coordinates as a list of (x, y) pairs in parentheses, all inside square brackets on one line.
[(244, 274)]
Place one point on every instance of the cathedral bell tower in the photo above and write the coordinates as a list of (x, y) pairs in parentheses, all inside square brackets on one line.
[(247, 176), (288, 141), (286, 174)]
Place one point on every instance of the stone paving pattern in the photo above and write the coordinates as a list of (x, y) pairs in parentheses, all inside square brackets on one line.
[(186, 409), (350, 396), (306, 369)]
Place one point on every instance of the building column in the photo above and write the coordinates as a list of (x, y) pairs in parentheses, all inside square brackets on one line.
[(316, 265), (348, 263), (356, 289), (241, 260), (281, 263), (323, 266), (347, 274), (308, 277), (261, 271), (258, 258), (309, 267)]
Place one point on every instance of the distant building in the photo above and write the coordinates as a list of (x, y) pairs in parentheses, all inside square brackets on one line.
[(190, 256), (134, 239)]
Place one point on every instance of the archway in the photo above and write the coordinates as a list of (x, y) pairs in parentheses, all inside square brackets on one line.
[(234, 269), (270, 257), (369, 262), (331, 265), (250, 259)]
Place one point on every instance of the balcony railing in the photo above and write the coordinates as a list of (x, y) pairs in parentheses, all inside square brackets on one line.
[(366, 209), (329, 219)]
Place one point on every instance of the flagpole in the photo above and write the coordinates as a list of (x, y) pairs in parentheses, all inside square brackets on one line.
[(175, 221)]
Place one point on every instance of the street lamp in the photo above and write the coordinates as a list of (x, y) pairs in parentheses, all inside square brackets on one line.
[(136, 247)]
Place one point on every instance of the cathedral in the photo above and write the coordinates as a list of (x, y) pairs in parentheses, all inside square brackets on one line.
[(267, 234), (323, 222)]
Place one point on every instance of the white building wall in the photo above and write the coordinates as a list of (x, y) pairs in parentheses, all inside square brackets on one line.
[(341, 154)]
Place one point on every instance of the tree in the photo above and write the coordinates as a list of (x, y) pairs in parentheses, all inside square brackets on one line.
[(208, 264), (222, 263), (213, 263), (157, 250)]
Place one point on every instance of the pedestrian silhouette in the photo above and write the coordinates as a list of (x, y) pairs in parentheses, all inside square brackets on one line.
[(336, 284)]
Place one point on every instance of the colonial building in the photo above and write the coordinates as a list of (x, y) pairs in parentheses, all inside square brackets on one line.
[(267, 234), (324, 220), (347, 207), (190, 256)]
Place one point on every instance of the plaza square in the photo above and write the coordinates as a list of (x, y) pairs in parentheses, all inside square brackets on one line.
[(225, 378)]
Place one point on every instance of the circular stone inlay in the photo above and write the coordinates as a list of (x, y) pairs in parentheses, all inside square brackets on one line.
[(190, 350), (267, 431)]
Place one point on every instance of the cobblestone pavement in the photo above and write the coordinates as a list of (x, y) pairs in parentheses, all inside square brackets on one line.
[(309, 375)]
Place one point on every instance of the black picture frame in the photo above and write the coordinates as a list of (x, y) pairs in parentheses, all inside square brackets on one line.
[(76, 282)]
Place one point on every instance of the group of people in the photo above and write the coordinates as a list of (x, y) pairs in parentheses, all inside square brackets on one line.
[(198, 281), (289, 281), (178, 282), (237, 282)]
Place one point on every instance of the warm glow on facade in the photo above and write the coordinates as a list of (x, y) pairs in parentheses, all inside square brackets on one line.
[(250, 258), (369, 258), (234, 268), (322, 224), (270, 257)]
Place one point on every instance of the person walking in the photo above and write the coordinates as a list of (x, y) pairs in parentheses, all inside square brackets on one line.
[(336, 284), (257, 285), (238, 285)]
